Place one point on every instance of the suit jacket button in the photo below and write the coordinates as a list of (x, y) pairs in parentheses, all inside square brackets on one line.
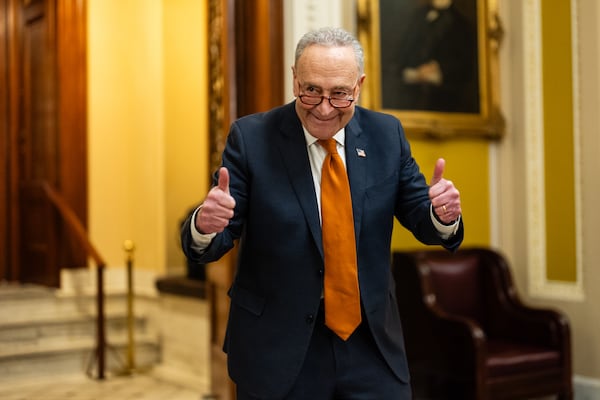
[(310, 318)]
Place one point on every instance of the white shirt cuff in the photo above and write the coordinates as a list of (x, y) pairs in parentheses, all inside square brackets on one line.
[(445, 231), (200, 240)]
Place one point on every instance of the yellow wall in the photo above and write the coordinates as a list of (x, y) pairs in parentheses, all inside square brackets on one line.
[(186, 114), (467, 167), (147, 134), (559, 143)]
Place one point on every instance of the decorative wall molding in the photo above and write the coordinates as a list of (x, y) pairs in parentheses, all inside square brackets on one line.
[(539, 285)]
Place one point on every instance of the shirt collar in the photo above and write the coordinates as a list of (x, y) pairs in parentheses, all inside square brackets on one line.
[(339, 137)]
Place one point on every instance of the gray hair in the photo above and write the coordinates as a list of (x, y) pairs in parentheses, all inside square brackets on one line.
[(332, 37)]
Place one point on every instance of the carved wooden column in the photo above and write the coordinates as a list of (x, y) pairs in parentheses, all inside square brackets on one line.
[(222, 103), (246, 76)]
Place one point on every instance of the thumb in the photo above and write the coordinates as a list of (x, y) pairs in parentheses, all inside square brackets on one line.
[(438, 171), (224, 180)]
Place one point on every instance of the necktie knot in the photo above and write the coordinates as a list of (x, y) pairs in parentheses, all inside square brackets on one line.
[(330, 145)]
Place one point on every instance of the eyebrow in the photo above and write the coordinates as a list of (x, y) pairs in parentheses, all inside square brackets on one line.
[(340, 87)]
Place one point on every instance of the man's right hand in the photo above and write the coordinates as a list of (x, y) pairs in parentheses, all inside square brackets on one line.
[(217, 208)]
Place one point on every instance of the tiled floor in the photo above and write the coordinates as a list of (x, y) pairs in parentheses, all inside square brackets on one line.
[(80, 387)]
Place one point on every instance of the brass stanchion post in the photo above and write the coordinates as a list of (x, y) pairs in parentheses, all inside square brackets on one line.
[(129, 248)]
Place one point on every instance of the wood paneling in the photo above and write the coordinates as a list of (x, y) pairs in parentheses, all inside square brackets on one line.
[(259, 55), (4, 140), (37, 150), (44, 135), (72, 117)]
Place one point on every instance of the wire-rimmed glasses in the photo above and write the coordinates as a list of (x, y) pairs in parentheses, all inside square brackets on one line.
[(336, 102)]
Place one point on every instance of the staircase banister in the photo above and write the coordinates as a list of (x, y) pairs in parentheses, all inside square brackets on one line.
[(73, 221), (81, 234)]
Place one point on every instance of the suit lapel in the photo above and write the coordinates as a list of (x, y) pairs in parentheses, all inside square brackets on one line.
[(292, 146), (356, 164)]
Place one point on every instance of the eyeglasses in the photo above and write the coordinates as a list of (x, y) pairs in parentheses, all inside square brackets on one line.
[(338, 100), (335, 102)]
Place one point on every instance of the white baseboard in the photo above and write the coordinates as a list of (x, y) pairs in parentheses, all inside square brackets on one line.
[(586, 388)]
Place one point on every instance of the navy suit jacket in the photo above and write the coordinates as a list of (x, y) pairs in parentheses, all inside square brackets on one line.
[(277, 287)]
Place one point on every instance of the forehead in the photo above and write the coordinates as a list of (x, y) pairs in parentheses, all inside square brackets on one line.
[(327, 66)]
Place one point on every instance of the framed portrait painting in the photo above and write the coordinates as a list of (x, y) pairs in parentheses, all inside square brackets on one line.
[(433, 64)]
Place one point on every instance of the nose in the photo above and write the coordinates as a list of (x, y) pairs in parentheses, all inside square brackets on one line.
[(325, 106)]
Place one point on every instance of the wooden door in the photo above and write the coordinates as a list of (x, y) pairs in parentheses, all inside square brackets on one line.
[(43, 136), (37, 144), (5, 255)]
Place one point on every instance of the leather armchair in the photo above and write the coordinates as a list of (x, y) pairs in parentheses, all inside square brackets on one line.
[(468, 336)]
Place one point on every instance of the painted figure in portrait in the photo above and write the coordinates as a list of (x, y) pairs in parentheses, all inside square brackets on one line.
[(429, 55)]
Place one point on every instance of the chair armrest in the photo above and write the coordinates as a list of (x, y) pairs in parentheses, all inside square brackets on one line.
[(514, 319), (430, 332), (459, 343), (533, 325), (454, 347)]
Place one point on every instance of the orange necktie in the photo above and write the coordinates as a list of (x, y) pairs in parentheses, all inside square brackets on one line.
[(342, 297)]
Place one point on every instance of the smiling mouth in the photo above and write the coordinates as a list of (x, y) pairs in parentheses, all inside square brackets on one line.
[(321, 119)]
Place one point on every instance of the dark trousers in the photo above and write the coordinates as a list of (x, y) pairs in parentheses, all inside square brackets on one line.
[(343, 370)]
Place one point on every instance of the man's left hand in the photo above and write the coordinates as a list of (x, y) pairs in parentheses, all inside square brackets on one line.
[(445, 198)]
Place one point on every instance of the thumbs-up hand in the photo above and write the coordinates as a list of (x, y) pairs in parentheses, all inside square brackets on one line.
[(217, 208), (445, 198)]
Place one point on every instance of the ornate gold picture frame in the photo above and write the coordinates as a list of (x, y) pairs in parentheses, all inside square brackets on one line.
[(434, 66)]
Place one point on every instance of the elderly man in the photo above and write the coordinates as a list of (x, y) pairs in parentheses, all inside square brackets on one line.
[(311, 190)]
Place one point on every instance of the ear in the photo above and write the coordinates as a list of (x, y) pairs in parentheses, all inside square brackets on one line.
[(294, 82), (361, 80), (359, 85)]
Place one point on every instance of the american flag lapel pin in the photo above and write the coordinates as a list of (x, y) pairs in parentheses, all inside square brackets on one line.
[(360, 152)]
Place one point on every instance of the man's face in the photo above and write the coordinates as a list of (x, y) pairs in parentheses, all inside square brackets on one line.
[(326, 71)]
